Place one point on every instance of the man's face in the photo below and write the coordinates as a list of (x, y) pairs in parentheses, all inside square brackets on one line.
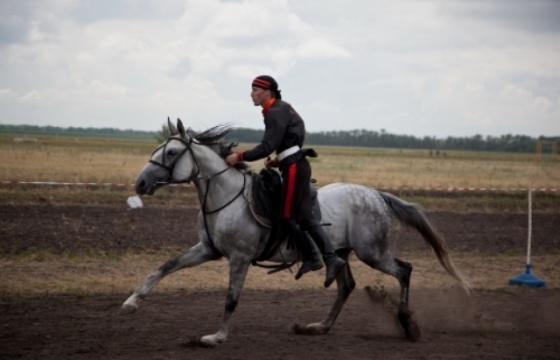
[(259, 96)]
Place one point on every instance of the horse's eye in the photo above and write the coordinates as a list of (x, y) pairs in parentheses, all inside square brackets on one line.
[(171, 152)]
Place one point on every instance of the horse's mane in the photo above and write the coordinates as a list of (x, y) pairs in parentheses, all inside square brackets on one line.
[(213, 138)]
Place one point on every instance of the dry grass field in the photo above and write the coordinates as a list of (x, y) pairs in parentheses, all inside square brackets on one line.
[(407, 172), (65, 159), (391, 168)]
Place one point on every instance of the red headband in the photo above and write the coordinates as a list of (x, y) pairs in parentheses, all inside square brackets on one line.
[(261, 83)]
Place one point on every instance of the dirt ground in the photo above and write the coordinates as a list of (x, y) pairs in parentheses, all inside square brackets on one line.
[(510, 323), (117, 229)]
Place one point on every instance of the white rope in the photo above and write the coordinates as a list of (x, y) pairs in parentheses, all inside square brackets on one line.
[(442, 189)]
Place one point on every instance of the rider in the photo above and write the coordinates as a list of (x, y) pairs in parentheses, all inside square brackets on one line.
[(284, 133)]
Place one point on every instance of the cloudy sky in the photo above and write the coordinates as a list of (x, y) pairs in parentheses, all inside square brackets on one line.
[(417, 67)]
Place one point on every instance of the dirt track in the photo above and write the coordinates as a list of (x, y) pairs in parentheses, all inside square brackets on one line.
[(515, 323), (75, 229)]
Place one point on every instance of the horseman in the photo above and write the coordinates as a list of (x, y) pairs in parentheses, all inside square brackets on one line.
[(284, 134)]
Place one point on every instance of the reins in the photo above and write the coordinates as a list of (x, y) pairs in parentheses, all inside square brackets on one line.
[(226, 204), (205, 212)]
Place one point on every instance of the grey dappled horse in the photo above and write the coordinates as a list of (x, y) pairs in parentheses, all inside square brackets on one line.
[(360, 218)]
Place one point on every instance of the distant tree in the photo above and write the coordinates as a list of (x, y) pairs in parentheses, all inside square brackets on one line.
[(163, 134)]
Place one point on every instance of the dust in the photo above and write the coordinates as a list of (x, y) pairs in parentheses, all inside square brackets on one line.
[(444, 310), (389, 317)]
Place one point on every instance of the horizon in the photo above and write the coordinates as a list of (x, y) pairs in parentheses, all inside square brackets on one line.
[(309, 132)]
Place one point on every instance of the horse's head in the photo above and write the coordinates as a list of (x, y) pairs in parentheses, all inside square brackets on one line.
[(162, 167), (170, 164)]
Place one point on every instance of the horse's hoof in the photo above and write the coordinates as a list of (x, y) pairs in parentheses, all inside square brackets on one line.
[(311, 329), (128, 309), (412, 332), (210, 341), (409, 325), (207, 344)]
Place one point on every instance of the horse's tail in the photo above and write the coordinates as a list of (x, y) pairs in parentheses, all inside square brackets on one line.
[(412, 215)]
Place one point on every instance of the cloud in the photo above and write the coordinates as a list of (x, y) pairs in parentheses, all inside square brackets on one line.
[(412, 67), (6, 94), (32, 96)]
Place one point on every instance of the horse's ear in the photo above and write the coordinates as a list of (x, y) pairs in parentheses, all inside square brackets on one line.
[(172, 129), (181, 128)]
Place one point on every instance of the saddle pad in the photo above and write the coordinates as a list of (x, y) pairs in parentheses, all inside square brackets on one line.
[(264, 197)]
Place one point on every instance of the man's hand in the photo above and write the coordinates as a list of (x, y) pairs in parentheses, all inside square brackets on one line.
[(232, 159), (268, 162)]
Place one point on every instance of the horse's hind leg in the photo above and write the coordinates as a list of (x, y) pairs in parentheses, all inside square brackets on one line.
[(402, 271), (345, 284), (409, 325), (196, 255)]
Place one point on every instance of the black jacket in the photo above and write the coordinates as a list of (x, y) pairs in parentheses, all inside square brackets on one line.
[(284, 128)]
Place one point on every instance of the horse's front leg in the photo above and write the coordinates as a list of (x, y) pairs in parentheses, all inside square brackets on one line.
[(239, 265), (196, 255)]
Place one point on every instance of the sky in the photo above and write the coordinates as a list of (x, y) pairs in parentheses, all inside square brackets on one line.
[(412, 67)]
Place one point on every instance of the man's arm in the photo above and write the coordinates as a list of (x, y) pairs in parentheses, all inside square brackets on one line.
[(275, 128)]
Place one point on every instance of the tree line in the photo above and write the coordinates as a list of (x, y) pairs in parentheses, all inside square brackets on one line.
[(383, 139), (361, 138), (75, 131)]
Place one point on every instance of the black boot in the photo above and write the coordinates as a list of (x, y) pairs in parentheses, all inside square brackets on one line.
[(307, 249), (309, 263), (333, 262)]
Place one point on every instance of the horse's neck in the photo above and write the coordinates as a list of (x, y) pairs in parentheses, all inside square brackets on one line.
[(216, 184)]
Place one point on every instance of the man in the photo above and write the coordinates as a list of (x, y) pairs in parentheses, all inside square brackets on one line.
[(284, 133)]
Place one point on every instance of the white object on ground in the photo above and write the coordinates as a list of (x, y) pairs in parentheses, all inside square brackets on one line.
[(134, 202)]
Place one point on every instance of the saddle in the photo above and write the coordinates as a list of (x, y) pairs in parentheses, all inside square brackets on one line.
[(265, 204)]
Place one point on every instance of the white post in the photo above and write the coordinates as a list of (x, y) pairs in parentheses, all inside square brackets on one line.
[(527, 278), (529, 229)]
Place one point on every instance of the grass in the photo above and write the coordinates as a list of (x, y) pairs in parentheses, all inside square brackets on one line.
[(81, 160), (391, 168), (63, 159), (406, 172)]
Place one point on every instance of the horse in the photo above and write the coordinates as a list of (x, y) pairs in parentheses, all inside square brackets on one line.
[(360, 219)]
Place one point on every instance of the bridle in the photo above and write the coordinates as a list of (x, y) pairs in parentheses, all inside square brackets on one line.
[(171, 165)]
